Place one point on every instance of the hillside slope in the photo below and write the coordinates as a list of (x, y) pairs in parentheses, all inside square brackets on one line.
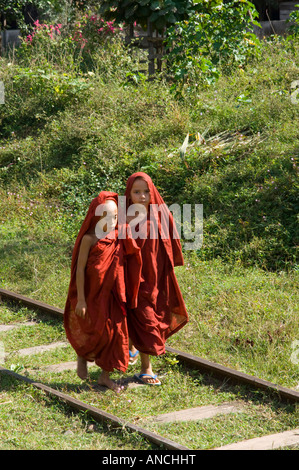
[(65, 135)]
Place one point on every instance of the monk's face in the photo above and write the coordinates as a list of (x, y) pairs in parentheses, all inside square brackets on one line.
[(108, 221), (140, 193)]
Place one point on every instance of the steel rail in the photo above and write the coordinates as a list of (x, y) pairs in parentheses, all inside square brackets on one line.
[(204, 365), (98, 414)]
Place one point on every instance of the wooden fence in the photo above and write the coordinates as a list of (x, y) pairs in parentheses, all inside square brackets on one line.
[(149, 40)]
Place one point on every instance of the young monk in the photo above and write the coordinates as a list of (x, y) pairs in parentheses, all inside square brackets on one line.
[(160, 310), (95, 315)]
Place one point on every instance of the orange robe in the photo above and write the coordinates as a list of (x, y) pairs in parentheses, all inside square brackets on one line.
[(160, 310), (102, 336)]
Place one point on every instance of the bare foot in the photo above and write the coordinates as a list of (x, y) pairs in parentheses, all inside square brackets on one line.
[(105, 381), (82, 371), (146, 375)]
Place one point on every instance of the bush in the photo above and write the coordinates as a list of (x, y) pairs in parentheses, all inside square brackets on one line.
[(215, 39), (294, 18), (69, 45), (159, 13)]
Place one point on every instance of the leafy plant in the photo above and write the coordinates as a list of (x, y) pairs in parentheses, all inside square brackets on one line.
[(294, 19), (16, 368), (217, 37), (13, 10), (161, 13)]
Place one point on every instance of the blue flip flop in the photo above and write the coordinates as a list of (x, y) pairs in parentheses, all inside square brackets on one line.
[(133, 357), (139, 377)]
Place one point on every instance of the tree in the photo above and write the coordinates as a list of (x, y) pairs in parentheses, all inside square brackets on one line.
[(160, 13)]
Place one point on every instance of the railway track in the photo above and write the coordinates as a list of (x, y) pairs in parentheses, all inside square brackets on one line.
[(288, 438)]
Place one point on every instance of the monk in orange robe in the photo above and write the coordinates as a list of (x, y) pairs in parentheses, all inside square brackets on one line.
[(160, 310), (95, 312)]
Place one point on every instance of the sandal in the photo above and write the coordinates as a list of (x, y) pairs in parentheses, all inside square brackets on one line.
[(140, 378), (133, 357)]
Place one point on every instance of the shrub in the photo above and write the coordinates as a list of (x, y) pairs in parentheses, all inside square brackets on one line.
[(294, 18), (161, 14), (67, 45), (216, 38)]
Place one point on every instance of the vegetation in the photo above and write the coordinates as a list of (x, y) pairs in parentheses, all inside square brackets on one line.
[(80, 116), (217, 34), (31, 420), (78, 120), (160, 13)]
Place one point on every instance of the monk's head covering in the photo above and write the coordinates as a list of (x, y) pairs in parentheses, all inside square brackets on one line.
[(91, 219), (171, 242)]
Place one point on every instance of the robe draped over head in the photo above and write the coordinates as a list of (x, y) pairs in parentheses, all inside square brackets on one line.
[(160, 310), (102, 335), (172, 242)]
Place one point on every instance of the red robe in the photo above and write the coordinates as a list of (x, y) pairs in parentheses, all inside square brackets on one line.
[(102, 336), (160, 310)]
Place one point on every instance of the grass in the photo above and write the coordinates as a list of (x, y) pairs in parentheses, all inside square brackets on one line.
[(31, 421), (181, 388), (245, 318), (65, 135)]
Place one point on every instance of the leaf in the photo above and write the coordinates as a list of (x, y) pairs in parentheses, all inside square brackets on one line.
[(170, 17), (154, 16), (155, 5), (199, 139), (184, 146)]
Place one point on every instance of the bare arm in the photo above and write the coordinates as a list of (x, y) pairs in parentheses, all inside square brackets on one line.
[(86, 243)]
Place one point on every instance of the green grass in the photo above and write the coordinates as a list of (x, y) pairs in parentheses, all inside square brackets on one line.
[(245, 318), (29, 420), (36, 419), (58, 150)]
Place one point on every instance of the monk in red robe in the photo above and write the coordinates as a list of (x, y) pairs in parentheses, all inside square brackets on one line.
[(95, 312), (160, 310)]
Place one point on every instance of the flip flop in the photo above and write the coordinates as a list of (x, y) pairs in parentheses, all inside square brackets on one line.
[(133, 357), (139, 377)]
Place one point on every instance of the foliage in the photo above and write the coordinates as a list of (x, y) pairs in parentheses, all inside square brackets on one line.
[(294, 18), (92, 30), (88, 32), (215, 39), (161, 13), (68, 133), (70, 47), (13, 10), (43, 31)]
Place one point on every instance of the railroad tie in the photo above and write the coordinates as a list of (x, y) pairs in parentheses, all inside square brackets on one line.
[(198, 413), (40, 349), (272, 441), (4, 328)]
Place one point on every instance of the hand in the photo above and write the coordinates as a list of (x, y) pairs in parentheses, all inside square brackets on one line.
[(81, 308)]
